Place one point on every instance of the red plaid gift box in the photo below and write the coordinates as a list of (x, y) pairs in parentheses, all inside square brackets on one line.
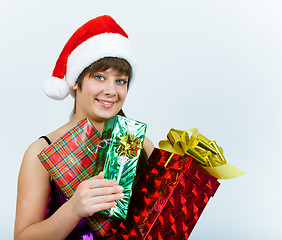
[(168, 199), (72, 159)]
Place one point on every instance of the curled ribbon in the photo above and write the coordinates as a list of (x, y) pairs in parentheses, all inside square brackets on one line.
[(206, 152), (129, 145)]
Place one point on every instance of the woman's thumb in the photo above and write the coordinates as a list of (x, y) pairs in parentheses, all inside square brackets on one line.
[(99, 176)]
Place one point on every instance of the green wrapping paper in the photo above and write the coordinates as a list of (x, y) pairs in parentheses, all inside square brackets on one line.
[(121, 155)]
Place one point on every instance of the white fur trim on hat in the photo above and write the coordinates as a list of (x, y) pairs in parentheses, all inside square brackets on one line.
[(98, 47), (56, 88)]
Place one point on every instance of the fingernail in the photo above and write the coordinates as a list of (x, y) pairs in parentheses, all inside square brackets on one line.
[(115, 183), (121, 195), (120, 188)]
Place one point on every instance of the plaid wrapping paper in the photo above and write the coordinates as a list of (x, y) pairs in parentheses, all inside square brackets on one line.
[(167, 201), (72, 159)]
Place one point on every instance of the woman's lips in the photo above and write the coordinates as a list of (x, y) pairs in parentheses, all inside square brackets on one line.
[(105, 103)]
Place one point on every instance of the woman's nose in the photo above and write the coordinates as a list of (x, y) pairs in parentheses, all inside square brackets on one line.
[(110, 88)]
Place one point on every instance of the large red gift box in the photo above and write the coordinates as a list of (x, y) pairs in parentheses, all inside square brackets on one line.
[(167, 200)]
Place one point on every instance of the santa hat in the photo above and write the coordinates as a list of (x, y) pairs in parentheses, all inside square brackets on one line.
[(98, 38)]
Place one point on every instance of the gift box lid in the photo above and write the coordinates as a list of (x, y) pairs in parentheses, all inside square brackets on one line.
[(189, 166)]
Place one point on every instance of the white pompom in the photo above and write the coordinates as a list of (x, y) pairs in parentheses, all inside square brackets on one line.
[(56, 88)]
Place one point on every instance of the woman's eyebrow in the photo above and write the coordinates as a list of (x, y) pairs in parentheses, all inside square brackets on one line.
[(121, 75)]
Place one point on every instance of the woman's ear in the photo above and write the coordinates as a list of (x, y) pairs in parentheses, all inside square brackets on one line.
[(75, 86)]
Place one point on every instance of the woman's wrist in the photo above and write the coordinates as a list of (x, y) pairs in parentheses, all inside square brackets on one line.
[(71, 211)]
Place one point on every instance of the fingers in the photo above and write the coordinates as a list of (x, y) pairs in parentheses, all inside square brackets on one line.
[(96, 194), (99, 181), (106, 198), (102, 206), (99, 186), (102, 191), (104, 202)]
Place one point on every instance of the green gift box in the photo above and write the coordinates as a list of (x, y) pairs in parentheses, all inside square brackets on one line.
[(121, 153)]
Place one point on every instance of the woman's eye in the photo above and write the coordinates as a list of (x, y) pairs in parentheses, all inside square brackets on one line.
[(121, 81), (99, 78)]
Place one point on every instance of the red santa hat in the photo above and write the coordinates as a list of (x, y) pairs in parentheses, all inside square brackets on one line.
[(98, 38)]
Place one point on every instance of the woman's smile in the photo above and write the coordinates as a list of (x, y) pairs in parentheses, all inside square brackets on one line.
[(102, 95), (105, 103)]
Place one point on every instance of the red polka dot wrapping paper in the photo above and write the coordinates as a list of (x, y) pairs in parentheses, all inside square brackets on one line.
[(166, 202)]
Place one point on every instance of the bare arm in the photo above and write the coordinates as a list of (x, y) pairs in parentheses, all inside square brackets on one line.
[(31, 222)]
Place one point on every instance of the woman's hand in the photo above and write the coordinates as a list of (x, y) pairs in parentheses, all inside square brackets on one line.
[(94, 195), (34, 192)]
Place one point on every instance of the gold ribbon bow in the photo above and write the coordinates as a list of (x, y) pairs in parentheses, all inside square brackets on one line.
[(206, 152), (129, 145)]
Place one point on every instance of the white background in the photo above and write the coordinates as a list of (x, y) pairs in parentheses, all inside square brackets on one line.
[(211, 64)]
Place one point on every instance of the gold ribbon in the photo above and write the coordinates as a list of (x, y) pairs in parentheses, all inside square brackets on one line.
[(129, 145), (206, 152)]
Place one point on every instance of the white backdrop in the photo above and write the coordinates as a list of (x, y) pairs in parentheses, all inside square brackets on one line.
[(214, 65)]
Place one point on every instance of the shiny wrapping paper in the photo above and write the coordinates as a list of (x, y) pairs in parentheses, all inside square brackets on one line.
[(167, 200), (72, 159), (121, 158)]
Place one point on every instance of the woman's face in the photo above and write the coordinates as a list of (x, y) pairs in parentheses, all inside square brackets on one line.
[(102, 95)]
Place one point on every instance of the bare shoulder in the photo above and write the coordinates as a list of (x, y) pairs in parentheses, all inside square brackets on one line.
[(32, 170), (32, 173), (30, 157), (36, 147), (33, 188), (148, 146)]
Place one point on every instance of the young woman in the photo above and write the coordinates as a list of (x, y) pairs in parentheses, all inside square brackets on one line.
[(96, 66)]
